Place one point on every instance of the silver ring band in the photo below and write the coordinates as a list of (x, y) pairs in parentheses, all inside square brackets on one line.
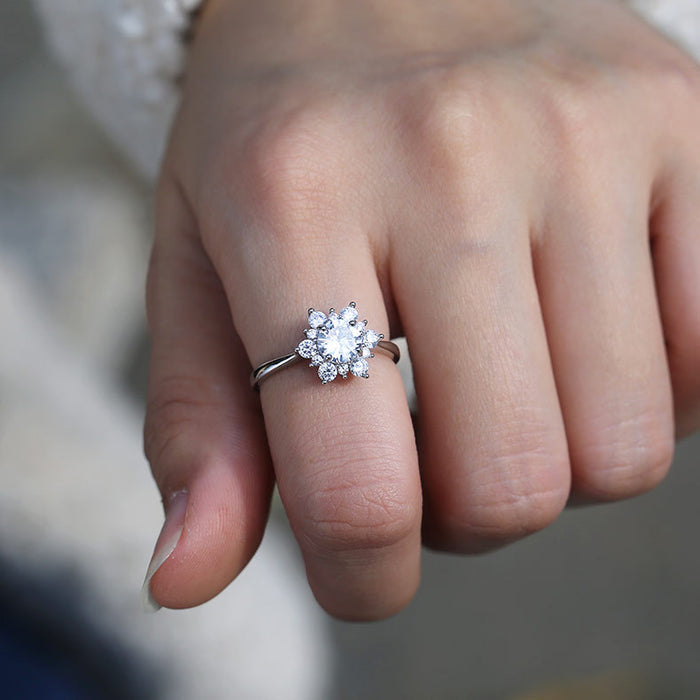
[(267, 369)]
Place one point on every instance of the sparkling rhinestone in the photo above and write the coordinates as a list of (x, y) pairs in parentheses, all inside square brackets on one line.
[(366, 352), (327, 372), (307, 348), (339, 341), (360, 368), (316, 319), (349, 313), (358, 328), (371, 338), (311, 333), (316, 360), (343, 369)]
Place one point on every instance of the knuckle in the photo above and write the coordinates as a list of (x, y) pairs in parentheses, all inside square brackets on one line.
[(627, 459), (512, 515), (571, 116), (518, 508), (516, 492), (669, 90), (351, 513), (445, 130), (582, 114), (679, 79), (292, 169)]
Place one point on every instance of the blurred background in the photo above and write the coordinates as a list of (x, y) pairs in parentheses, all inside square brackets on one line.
[(604, 604)]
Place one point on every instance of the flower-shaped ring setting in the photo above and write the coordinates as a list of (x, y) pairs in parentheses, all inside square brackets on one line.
[(337, 344)]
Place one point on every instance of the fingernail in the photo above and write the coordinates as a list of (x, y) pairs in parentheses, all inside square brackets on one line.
[(169, 536)]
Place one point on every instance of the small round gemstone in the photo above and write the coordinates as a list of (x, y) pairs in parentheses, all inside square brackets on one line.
[(366, 352), (307, 348), (349, 313), (316, 319), (327, 372), (343, 369), (316, 360), (371, 338), (358, 328), (311, 333), (360, 368)]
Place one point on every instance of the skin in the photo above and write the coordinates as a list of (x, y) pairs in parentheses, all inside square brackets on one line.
[(512, 185)]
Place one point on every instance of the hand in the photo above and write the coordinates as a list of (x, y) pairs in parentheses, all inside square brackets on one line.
[(515, 186)]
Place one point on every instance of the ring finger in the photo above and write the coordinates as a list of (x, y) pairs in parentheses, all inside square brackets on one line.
[(492, 445)]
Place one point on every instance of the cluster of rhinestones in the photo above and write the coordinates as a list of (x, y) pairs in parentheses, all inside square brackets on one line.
[(338, 344)]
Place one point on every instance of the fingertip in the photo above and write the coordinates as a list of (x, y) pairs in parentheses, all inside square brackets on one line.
[(219, 533)]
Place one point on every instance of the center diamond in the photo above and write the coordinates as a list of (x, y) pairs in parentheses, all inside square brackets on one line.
[(338, 340), (338, 344)]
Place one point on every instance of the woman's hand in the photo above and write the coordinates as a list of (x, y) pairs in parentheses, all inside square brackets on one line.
[(513, 185)]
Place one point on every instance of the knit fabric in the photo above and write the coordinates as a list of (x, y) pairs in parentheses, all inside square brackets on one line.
[(124, 57)]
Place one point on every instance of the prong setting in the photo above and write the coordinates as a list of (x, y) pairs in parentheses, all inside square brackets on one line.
[(338, 344)]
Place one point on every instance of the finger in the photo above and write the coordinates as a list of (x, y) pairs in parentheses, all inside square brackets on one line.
[(204, 435), (344, 452), (676, 254), (492, 445), (595, 277)]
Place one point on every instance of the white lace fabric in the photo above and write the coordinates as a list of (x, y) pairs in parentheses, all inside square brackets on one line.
[(124, 57)]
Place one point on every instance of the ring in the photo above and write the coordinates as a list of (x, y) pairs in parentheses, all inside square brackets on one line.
[(337, 343)]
